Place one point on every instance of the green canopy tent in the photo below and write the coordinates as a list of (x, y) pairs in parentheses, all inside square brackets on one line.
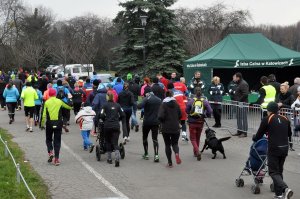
[(240, 51)]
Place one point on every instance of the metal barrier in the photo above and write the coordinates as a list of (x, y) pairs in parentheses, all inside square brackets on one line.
[(243, 117), (17, 165)]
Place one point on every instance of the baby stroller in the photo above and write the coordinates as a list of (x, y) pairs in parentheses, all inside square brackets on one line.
[(256, 165), (101, 147)]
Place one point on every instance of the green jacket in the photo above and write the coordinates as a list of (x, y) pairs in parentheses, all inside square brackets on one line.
[(52, 110), (29, 95)]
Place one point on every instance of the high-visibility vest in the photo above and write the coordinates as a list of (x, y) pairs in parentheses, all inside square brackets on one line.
[(270, 95)]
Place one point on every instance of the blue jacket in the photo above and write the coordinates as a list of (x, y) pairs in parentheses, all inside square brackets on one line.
[(66, 93), (99, 100), (118, 87), (40, 95), (11, 95)]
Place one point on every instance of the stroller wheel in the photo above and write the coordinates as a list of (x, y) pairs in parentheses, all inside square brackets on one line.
[(122, 151), (255, 189), (272, 187), (98, 153), (239, 182)]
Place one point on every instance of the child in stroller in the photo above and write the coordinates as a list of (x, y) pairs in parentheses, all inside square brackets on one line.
[(256, 165)]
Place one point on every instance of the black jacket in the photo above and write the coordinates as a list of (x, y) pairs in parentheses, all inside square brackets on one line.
[(77, 95), (151, 105), (242, 91), (158, 91), (279, 132), (112, 113), (286, 99), (231, 88), (135, 89), (126, 99), (169, 115)]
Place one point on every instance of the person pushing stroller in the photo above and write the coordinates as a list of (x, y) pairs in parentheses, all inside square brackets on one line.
[(111, 113)]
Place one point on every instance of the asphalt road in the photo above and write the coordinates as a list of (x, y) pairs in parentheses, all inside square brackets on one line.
[(81, 176)]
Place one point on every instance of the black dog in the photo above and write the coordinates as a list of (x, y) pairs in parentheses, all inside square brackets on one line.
[(213, 143)]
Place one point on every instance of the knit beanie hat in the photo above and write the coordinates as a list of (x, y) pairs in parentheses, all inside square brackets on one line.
[(272, 107), (52, 92)]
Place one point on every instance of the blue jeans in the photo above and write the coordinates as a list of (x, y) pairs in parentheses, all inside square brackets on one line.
[(133, 116), (86, 138)]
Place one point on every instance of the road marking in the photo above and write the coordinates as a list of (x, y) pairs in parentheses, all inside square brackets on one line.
[(105, 182)]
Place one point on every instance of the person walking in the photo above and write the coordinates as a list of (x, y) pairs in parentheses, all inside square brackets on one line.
[(169, 115), (54, 124), (77, 94), (19, 85), (85, 119), (278, 130), (134, 87), (29, 95), (216, 91), (38, 103), (126, 101), (11, 96), (111, 113), (2, 98), (150, 104), (197, 109), (241, 97)]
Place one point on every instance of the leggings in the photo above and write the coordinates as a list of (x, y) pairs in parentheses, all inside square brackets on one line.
[(154, 130), (128, 112), (37, 113), (56, 143), (11, 107), (171, 140)]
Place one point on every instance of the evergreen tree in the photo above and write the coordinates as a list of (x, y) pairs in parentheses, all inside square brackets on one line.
[(164, 51)]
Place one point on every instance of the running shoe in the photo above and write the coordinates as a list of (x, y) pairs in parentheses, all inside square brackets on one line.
[(169, 165), (146, 157), (117, 163), (56, 162), (156, 158), (199, 156), (66, 129), (50, 158), (288, 193), (109, 161), (92, 148), (27, 128), (30, 129), (10, 121), (137, 128), (178, 160)]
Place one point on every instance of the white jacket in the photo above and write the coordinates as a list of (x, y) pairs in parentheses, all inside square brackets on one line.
[(85, 118), (297, 102)]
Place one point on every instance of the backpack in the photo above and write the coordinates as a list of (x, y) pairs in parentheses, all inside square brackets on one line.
[(61, 93), (197, 108)]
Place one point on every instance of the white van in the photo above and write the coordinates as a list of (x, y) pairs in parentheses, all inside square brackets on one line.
[(79, 70)]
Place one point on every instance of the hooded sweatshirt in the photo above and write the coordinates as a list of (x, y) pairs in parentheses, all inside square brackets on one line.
[(85, 118), (169, 115)]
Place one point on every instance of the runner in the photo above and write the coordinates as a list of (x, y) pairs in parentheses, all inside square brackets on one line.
[(11, 96), (29, 95), (52, 111), (38, 104)]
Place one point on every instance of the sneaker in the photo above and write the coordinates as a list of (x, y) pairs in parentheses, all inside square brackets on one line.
[(109, 161), (146, 157), (199, 156), (131, 127), (50, 158), (30, 130), (178, 160), (137, 128), (117, 163), (92, 148), (10, 121), (288, 193), (125, 140), (20, 108), (169, 165), (156, 158), (56, 162), (27, 128)]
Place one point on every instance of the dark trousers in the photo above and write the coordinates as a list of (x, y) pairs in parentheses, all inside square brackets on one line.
[(111, 139), (37, 113), (65, 115), (217, 115), (76, 107), (11, 107), (275, 164), (242, 121), (171, 140), (2, 101), (154, 130), (183, 125), (195, 133), (53, 133), (128, 112)]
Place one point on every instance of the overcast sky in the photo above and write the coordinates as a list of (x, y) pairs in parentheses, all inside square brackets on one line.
[(276, 12)]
